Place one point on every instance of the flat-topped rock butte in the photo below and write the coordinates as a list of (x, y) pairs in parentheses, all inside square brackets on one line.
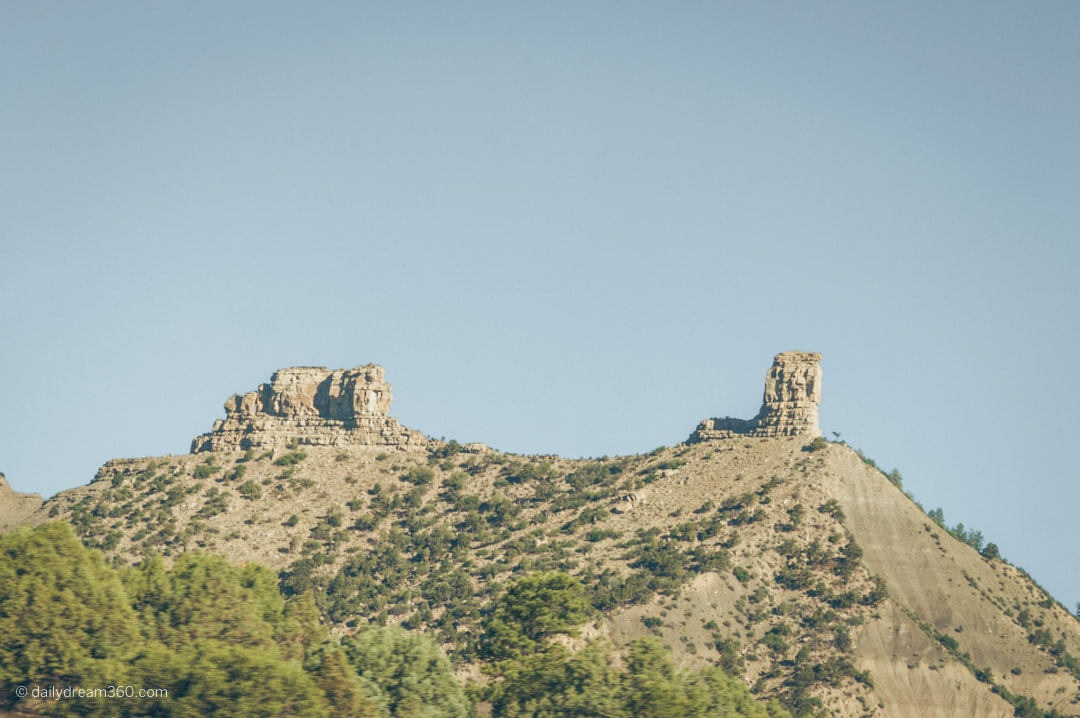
[(311, 406)]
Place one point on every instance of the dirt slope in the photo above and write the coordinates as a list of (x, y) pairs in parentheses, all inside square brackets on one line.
[(954, 591)]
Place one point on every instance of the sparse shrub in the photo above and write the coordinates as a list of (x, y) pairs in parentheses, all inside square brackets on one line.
[(204, 471), (450, 448), (455, 482), (292, 520), (249, 490), (832, 508), (419, 475), (216, 504), (794, 578), (290, 459), (816, 444), (774, 638), (367, 522), (601, 534), (877, 594)]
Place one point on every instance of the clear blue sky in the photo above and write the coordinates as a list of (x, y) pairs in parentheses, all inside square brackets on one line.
[(573, 228)]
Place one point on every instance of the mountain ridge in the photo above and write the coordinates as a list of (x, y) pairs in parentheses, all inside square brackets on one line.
[(786, 559)]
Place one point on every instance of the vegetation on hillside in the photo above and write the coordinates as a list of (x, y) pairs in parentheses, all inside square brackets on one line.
[(450, 545), (206, 637)]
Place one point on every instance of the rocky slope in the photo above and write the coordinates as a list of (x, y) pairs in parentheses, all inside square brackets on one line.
[(788, 560), (15, 507)]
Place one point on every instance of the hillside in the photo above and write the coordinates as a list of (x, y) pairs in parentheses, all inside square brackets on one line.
[(789, 561), (15, 507)]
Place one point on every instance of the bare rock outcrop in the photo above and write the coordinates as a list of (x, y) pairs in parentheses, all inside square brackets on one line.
[(15, 506), (789, 407), (311, 406)]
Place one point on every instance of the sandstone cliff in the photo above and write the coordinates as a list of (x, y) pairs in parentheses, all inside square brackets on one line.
[(789, 407), (311, 406)]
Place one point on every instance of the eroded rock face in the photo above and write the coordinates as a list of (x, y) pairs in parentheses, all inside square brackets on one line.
[(789, 407), (312, 406), (15, 506)]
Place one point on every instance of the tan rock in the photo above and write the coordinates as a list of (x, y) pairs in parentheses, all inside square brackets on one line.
[(789, 406), (15, 506), (311, 406)]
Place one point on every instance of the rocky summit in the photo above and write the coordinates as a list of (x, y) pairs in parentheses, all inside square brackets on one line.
[(789, 407), (311, 406)]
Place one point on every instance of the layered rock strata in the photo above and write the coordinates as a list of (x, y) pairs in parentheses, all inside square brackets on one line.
[(789, 407), (311, 406)]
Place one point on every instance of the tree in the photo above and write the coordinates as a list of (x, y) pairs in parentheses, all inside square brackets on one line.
[(552, 683), (349, 695), (208, 597), (650, 684), (63, 610), (534, 608), (232, 681), (412, 675)]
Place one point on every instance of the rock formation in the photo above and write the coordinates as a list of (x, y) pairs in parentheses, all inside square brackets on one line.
[(312, 406), (789, 408), (15, 506)]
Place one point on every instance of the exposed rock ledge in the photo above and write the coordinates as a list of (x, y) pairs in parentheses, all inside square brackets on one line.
[(15, 506), (789, 408), (311, 406)]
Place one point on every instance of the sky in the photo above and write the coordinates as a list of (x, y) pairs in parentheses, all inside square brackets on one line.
[(571, 228)]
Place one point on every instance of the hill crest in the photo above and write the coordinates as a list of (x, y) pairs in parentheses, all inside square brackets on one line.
[(784, 558)]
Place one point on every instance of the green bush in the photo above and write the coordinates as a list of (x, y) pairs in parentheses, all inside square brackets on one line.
[(290, 459), (204, 471), (832, 508), (419, 475), (249, 490)]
